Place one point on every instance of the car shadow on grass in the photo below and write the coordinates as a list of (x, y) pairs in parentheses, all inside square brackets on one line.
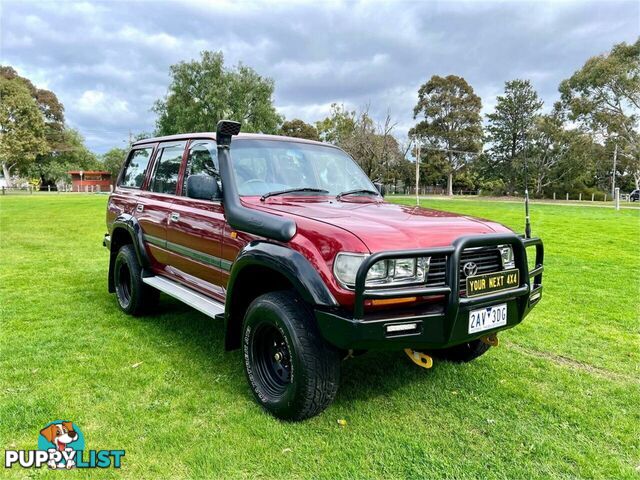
[(369, 375), (201, 337), (375, 374)]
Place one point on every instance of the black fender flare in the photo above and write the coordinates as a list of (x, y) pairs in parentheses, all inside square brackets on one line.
[(130, 224), (283, 260)]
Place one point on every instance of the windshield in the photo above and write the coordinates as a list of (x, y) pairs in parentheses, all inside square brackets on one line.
[(263, 166)]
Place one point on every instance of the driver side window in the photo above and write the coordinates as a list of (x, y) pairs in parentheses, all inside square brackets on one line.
[(202, 160)]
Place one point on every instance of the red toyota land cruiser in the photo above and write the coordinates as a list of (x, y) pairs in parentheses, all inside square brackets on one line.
[(291, 245)]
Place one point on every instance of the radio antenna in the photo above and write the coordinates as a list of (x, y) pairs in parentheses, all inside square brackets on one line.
[(527, 221)]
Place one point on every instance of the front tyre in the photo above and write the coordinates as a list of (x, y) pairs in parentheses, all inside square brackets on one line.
[(293, 373), (462, 353), (134, 296)]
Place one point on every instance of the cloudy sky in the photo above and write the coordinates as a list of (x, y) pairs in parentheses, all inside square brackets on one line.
[(108, 61)]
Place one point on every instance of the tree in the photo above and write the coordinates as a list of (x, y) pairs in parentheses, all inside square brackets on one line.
[(69, 154), (403, 172), (112, 161), (299, 129), (57, 149), (604, 97), (22, 128), (338, 126), (629, 153), (372, 146), (451, 121), (50, 107), (48, 103), (515, 114), (557, 155), (203, 92)]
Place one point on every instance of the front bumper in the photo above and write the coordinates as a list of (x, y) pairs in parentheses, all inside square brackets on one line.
[(438, 325)]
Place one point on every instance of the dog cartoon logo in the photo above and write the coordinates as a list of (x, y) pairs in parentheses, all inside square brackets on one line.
[(61, 446), (61, 436)]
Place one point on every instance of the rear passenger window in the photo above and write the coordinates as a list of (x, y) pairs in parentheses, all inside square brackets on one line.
[(133, 175), (165, 177), (202, 160)]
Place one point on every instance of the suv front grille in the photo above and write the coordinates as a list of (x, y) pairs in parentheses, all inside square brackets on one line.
[(437, 271), (488, 260)]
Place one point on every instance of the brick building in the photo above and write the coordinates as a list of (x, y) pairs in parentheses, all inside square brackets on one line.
[(90, 180)]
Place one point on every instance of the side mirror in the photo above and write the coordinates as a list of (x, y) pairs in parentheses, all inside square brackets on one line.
[(380, 187), (202, 187)]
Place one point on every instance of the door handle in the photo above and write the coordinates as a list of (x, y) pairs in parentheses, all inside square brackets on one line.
[(139, 207), (175, 216)]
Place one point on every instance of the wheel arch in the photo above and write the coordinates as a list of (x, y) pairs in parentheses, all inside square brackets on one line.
[(126, 230), (263, 267)]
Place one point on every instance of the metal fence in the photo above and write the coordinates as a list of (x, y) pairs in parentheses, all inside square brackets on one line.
[(558, 196), (53, 189)]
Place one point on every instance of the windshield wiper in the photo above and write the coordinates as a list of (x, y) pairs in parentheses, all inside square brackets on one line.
[(292, 190), (358, 191)]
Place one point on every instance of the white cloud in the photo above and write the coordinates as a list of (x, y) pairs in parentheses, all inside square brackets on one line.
[(97, 103), (109, 61)]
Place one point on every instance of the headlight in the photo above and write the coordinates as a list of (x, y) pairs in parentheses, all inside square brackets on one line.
[(346, 266), (506, 251), (392, 272)]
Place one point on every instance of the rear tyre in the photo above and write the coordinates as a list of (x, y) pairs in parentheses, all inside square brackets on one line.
[(293, 373), (134, 296), (462, 353)]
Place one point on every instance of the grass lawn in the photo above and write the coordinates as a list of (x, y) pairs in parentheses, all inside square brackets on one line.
[(560, 397)]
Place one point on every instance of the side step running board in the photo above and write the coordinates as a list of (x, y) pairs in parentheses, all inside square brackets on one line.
[(192, 298)]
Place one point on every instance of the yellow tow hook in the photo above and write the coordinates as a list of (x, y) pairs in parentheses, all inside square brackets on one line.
[(491, 339), (421, 359)]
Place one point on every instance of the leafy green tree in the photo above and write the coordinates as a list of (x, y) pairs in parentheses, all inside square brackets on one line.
[(558, 156), (515, 114), (404, 173), (434, 168), (112, 161), (338, 126), (48, 103), (22, 128), (372, 146), (204, 91), (63, 148), (629, 164), (69, 154), (604, 97), (299, 129), (50, 107), (450, 121)]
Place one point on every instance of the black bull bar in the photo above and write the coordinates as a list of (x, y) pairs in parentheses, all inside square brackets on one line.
[(451, 288)]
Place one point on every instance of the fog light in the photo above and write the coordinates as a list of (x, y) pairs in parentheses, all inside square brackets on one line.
[(402, 327), (506, 252)]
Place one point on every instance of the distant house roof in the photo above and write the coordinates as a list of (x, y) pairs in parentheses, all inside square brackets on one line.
[(89, 172)]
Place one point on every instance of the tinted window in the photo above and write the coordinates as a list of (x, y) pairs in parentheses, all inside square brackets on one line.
[(202, 160), (133, 175), (165, 177)]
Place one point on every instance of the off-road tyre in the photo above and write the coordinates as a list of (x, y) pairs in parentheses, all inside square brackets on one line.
[(292, 371), (462, 353), (134, 297)]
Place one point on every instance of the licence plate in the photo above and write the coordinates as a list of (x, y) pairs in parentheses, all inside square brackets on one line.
[(487, 318), (493, 282)]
